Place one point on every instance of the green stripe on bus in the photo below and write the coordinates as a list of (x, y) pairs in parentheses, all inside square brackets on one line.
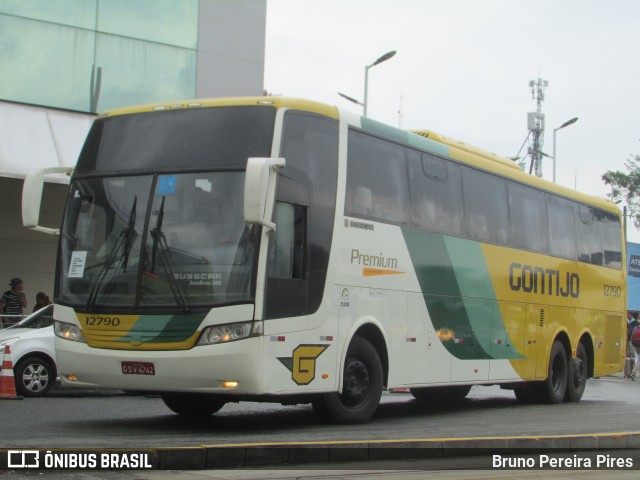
[(180, 328), (164, 328), (479, 297), (443, 296), (403, 137)]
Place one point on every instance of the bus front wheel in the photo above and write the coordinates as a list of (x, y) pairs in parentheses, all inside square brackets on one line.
[(192, 404), (361, 386)]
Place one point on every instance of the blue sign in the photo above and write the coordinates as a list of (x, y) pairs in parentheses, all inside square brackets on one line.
[(633, 276), (166, 185), (634, 266)]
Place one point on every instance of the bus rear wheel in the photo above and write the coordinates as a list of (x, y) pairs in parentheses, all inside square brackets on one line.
[(527, 392), (361, 387), (553, 389), (193, 404), (578, 373)]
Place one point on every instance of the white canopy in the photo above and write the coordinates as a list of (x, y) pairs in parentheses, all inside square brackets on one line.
[(37, 137)]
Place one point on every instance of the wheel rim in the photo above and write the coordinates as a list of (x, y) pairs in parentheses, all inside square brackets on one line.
[(35, 378), (579, 372), (356, 383)]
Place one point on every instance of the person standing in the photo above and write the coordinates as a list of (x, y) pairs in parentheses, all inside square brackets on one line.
[(632, 323), (633, 336), (14, 301), (42, 300)]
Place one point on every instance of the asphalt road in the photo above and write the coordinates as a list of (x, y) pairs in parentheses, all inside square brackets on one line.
[(118, 421)]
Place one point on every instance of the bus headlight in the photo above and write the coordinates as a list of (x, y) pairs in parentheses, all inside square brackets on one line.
[(229, 332), (69, 331)]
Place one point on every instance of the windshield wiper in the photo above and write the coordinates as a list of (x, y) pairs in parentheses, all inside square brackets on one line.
[(125, 239), (156, 235), (158, 250), (128, 235)]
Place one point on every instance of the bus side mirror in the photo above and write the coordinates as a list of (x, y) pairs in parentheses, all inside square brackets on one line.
[(32, 198), (260, 190)]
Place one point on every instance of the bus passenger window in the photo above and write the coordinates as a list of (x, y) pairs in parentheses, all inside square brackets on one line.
[(485, 206), (362, 201), (562, 230), (436, 196), (528, 218), (589, 242), (609, 226), (376, 179)]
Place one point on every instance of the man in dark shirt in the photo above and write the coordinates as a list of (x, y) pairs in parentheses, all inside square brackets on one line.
[(13, 301)]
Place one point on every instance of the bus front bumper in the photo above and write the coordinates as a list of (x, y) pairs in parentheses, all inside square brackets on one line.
[(232, 368)]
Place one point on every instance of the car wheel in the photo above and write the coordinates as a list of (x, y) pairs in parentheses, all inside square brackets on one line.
[(33, 376)]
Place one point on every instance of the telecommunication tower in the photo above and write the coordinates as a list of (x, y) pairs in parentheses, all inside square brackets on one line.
[(535, 123)]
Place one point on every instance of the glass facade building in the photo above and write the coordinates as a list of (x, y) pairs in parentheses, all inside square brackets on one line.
[(93, 55)]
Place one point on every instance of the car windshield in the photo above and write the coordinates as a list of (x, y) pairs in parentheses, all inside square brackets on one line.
[(39, 319)]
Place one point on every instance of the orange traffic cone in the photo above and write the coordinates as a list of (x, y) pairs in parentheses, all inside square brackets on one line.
[(7, 382)]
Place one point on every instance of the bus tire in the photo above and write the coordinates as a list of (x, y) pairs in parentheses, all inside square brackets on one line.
[(320, 407), (440, 395), (553, 389), (193, 404), (578, 373), (361, 386), (527, 392)]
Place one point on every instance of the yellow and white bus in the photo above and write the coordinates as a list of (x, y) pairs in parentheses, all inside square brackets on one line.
[(274, 249)]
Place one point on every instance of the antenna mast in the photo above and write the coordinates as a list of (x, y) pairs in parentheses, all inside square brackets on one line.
[(535, 123)]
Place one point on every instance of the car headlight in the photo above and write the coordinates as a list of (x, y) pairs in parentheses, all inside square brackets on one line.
[(229, 332), (69, 331)]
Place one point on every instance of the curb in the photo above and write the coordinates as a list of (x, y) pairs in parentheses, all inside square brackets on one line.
[(273, 454), (318, 454)]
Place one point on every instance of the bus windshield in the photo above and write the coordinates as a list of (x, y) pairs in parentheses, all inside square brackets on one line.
[(194, 250), (140, 235)]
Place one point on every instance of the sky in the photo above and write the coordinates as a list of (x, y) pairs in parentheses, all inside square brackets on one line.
[(463, 69)]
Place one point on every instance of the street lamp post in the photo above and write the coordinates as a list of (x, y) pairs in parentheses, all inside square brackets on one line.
[(565, 124), (383, 58), (351, 99)]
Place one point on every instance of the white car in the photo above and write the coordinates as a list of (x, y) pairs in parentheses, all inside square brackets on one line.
[(32, 352)]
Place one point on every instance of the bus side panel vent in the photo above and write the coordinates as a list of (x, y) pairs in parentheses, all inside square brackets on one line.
[(542, 317)]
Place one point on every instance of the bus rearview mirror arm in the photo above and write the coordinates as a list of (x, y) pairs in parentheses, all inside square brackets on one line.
[(32, 198), (260, 190)]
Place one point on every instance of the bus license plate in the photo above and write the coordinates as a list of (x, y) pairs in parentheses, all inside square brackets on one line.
[(138, 368)]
